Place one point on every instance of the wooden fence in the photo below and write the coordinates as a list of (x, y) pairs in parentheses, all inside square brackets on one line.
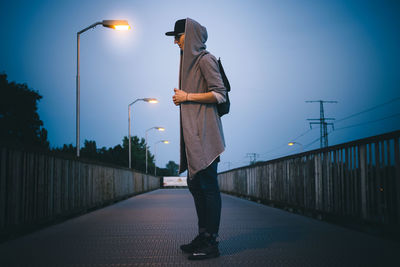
[(36, 188), (356, 181)]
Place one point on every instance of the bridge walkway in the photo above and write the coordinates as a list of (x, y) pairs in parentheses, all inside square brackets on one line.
[(146, 230)]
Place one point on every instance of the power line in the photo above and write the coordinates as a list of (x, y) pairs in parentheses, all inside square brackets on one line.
[(369, 109), (309, 130), (364, 123), (276, 148), (355, 125), (345, 118), (368, 122), (285, 144), (312, 142)]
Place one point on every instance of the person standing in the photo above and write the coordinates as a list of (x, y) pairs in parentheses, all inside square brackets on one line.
[(201, 136)]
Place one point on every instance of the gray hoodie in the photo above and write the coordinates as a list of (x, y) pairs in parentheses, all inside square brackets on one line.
[(202, 139)]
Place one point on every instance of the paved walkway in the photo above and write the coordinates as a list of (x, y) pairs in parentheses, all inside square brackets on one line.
[(147, 230)]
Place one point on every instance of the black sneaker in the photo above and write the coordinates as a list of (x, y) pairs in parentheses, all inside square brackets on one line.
[(206, 252), (197, 242)]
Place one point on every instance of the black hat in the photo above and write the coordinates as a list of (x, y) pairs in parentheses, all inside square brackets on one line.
[(178, 29)]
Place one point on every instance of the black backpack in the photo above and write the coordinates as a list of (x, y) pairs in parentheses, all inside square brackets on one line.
[(223, 108)]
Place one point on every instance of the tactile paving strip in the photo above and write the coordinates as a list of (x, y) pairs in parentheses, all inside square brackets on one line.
[(147, 230)]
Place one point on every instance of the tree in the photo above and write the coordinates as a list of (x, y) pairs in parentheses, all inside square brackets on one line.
[(89, 150), (20, 125), (117, 155), (172, 168), (138, 150), (66, 149)]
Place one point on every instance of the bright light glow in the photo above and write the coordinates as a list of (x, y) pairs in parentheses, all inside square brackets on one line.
[(122, 27), (165, 142), (161, 129), (151, 100), (291, 144)]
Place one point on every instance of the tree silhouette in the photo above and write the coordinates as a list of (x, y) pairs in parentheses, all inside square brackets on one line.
[(172, 168), (138, 150), (20, 125), (89, 150), (117, 155)]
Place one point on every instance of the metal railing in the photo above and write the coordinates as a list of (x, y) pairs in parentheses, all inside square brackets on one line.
[(355, 181), (36, 188)]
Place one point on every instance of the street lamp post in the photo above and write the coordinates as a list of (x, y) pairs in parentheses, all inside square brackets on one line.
[(296, 143), (155, 154), (114, 24), (149, 100), (161, 129)]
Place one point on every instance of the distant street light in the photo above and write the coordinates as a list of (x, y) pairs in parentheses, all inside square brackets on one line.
[(148, 100), (114, 24), (161, 129), (296, 143), (155, 154)]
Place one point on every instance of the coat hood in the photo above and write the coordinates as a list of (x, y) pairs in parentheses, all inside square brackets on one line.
[(194, 48), (195, 39)]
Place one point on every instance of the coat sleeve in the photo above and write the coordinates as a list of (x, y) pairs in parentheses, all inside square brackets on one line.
[(210, 70)]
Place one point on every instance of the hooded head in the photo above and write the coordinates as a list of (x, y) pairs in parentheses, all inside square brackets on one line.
[(194, 48), (195, 38), (192, 30)]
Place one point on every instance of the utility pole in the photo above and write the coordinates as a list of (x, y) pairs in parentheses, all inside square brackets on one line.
[(322, 121), (253, 157)]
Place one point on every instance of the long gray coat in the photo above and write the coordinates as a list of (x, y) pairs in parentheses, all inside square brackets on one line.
[(202, 139)]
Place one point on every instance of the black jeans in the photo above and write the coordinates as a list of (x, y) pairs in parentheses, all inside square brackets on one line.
[(207, 199)]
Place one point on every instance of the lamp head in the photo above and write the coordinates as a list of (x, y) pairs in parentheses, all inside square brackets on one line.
[(291, 143), (120, 25), (161, 129), (165, 141), (150, 100)]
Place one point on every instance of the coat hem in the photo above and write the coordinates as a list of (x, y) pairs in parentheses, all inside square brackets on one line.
[(191, 177)]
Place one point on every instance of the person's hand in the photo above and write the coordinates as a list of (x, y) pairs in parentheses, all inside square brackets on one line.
[(179, 97)]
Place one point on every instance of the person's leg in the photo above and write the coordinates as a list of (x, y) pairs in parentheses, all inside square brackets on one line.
[(199, 202), (209, 185), (212, 197)]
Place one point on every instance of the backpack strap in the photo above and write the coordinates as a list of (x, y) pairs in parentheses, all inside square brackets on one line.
[(223, 75)]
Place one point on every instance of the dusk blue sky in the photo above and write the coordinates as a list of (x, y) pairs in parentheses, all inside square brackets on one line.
[(277, 55)]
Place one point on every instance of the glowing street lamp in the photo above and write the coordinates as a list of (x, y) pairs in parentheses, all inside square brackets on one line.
[(119, 25), (155, 154), (296, 143), (114, 24), (148, 100), (161, 129)]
